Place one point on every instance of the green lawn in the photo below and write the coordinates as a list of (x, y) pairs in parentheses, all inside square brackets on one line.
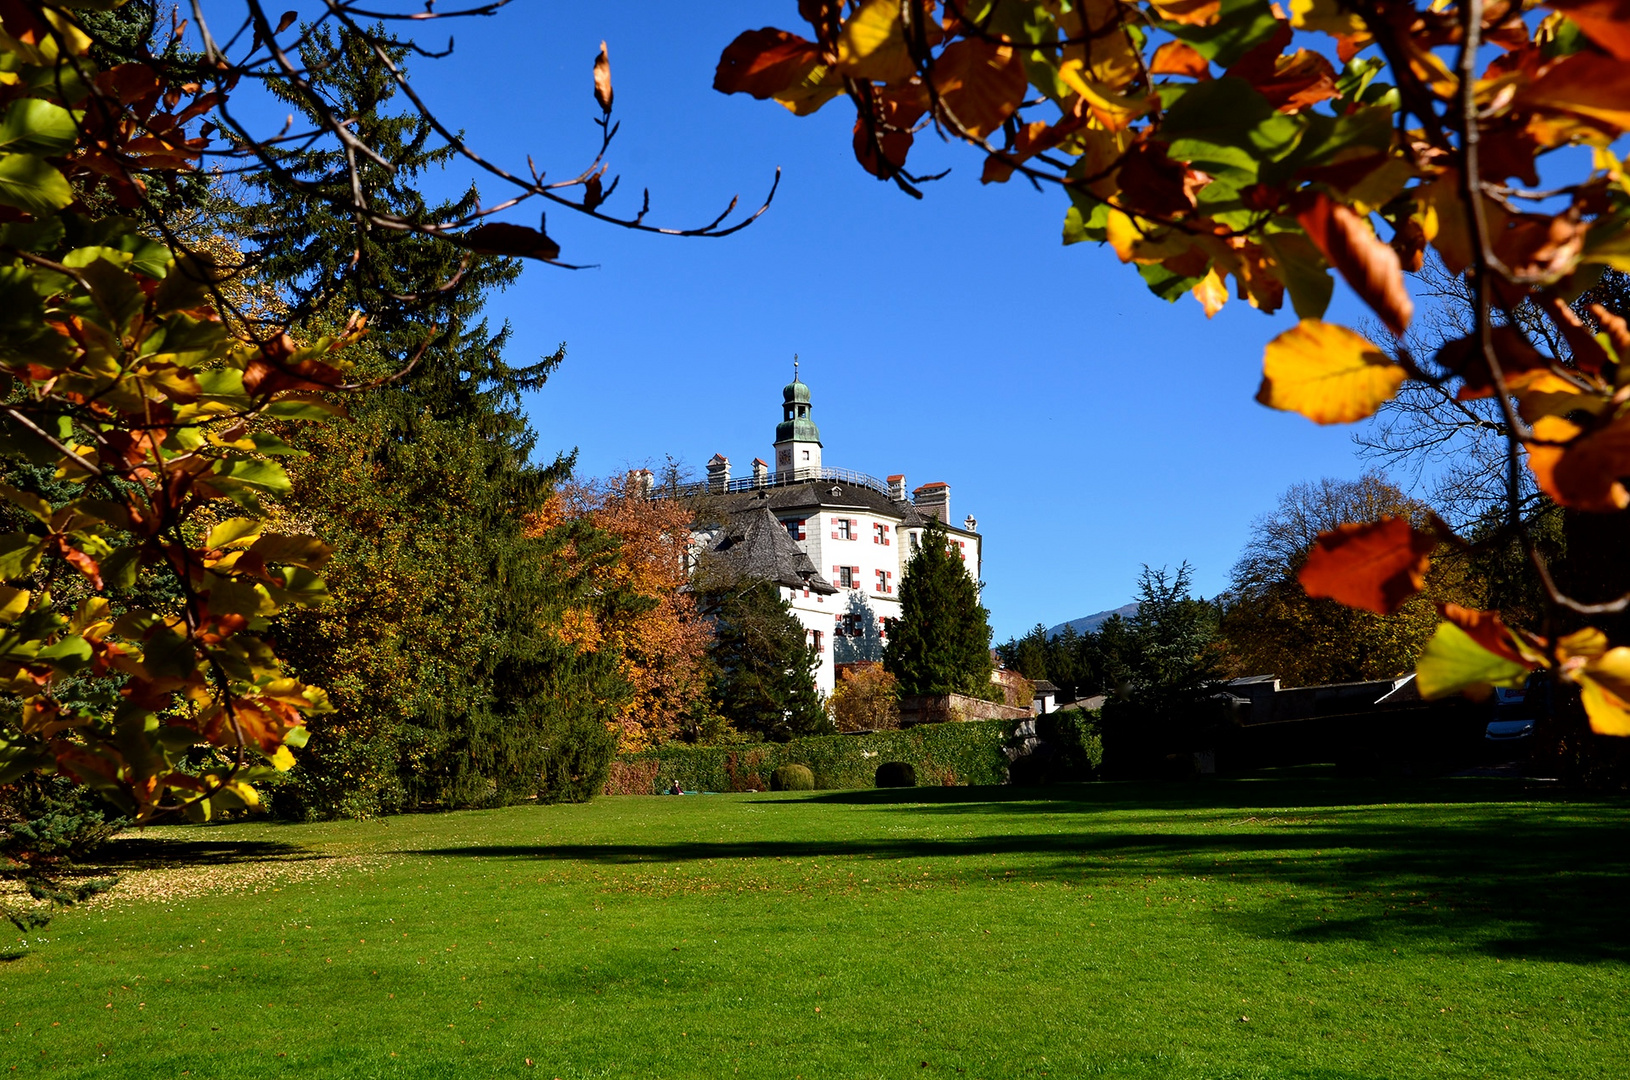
[(1296, 927)]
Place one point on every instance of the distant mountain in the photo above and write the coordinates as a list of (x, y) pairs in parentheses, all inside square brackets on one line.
[(1089, 624)]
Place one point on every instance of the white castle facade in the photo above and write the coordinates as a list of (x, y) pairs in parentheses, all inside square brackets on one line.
[(835, 540)]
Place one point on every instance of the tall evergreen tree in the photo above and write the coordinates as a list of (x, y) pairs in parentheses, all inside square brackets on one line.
[(941, 642), (763, 667), (451, 687)]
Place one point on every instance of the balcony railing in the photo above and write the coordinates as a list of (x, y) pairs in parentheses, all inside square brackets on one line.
[(776, 479)]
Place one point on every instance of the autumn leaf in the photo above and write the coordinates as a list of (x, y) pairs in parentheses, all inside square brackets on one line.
[(1370, 266), (1586, 84), (504, 238), (602, 79), (1484, 627), (773, 64), (872, 44), (1584, 472), (1326, 372), (1179, 58), (981, 84), (1212, 292), (1464, 357), (1606, 22), (1375, 566), (1188, 12), (1454, 663)]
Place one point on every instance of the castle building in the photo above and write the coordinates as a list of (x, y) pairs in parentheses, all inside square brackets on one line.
[(836, 541)]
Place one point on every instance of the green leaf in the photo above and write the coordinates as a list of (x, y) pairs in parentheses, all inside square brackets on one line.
[(30, 183), (303, 407), (1165, 284), (1241, 26), (35, 126), (19, 555), (13, 602), (1228, 129), (1302, 269), (119, 569), (265, 475), (68, 655), (28, 502), (307, 551), (233, 532), (1453, 662), (1082, 226)]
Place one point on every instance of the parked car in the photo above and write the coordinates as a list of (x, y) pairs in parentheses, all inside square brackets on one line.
[(1515, 711)]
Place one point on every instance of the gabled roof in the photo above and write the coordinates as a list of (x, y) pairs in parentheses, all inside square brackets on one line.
[(756, 545)]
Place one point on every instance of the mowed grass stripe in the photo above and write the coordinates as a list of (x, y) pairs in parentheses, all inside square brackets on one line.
[(1298, 927)]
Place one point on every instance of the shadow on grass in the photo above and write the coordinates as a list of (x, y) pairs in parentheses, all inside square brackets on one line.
[(142, 853), (1507, 874)]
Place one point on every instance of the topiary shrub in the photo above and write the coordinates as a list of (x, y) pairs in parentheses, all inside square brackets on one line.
[(792, 778), (896, 774)]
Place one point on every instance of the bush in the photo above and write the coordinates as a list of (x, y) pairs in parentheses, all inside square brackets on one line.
[(866, 699), (896, 774), (47, 825), (961, 753), (792, 778)]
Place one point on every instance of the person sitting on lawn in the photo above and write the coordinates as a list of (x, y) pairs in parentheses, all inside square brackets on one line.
[(675, 789)]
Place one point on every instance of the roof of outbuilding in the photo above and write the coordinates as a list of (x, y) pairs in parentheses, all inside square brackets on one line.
[(756, 545), (815, 495)]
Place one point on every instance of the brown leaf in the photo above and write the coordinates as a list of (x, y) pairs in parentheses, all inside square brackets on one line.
[(1189, 12), (1370, 266), (503, 238), (1034, 138), (1375, 566), (1464, 357), (602, 79), (1540, 246), (881, 147), (772, 63), (286, 21), (1618, 331), (1179, 58), (980, 83), (1588, 353), (1586, 84), (1152, 184), (264, 376)]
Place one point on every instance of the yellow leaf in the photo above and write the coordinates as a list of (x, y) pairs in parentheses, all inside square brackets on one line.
[(1454, 663), (1609, 714), (1211, 292), (1326, 372), (1326, 15), (13, 602), (873, 44), (283, 760), (1121, 232)]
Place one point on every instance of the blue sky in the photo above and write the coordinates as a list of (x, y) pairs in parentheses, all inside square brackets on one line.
[(1089, 426)]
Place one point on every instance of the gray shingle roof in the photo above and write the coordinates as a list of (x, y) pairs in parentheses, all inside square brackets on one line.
[(755, 544)]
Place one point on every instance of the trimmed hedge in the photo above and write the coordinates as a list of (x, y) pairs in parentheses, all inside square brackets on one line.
[(896, 774), (941, 754), (792, 778)]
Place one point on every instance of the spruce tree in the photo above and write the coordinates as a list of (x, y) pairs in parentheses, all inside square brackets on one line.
[(441, 647), (941, 642), (764, 668)]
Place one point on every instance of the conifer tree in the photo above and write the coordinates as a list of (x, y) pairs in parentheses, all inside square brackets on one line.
[(452, 683), (941, 642), (764, 668)]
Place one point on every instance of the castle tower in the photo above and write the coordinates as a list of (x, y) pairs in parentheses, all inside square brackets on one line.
[(797, 440)]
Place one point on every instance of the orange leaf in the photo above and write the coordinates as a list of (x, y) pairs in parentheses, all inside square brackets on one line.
[(1327, 373), (980, 83), (1375, 566), (1588, 353), (1586, 84), (1583, 474), (1179, 58), (1484, 627), (1370, 266), (1189, 12), (1606, 22)]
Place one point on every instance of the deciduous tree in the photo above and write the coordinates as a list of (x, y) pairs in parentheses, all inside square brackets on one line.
[(1217, 144)]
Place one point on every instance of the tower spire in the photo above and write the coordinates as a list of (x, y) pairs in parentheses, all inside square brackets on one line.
[(794, 367)]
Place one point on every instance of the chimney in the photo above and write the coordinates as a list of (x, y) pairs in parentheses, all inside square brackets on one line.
[(934, 500), (761, 472), (645, 483), (970, 523), (718, 473), (897, 487)]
